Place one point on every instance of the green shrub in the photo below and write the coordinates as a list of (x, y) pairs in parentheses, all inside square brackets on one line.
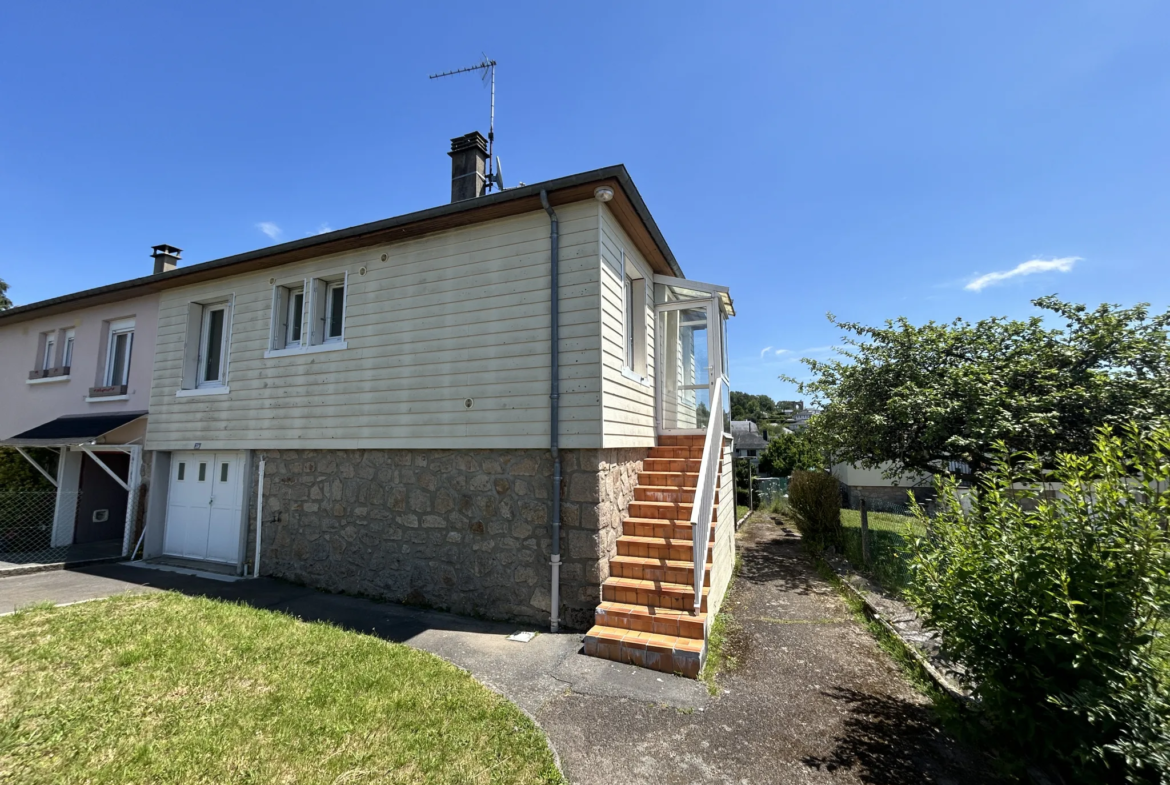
[(815, 497), (1056, 606)]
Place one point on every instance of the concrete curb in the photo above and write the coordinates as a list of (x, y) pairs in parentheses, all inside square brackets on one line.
[(31, 569), (940, 679)]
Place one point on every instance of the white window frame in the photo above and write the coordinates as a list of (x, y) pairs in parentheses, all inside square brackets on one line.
[(67, 354), (117, 328), (317, 310), (294, 318), (201, 380), (327, 317), (628, 349), (632, 369)]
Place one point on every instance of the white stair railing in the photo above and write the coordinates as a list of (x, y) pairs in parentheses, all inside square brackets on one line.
[(704, 504)]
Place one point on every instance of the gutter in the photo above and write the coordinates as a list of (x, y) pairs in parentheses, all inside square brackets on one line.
[(554, 396)]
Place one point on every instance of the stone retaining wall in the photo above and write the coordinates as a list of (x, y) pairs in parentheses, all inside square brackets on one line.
[(463, 530)]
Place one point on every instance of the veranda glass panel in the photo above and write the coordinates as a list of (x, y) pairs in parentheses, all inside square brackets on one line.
[(686, 394)]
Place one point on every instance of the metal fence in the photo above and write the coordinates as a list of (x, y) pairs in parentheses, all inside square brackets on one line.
[(771, 488), (26, 526)]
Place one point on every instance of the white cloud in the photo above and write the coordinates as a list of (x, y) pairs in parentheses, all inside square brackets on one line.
[(270, 229), (1032, 267), (782, 351), (322, 229), (764, 351)]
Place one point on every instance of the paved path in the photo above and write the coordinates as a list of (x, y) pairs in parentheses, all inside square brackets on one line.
[(811, 700)]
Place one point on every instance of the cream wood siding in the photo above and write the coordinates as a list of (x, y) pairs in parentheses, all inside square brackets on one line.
[(455, 315), (627, 405)]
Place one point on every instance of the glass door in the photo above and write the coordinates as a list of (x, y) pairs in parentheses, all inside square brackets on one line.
[(691, 351)]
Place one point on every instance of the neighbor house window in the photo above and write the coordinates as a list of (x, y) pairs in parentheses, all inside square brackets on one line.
[(118, 349), (50, 353), (213, 345), (67, 357)]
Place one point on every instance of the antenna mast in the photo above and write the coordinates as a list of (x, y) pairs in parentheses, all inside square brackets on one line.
[(488, 66)]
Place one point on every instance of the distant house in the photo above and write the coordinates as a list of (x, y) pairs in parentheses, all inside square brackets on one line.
[(800, 417), (747, 439)]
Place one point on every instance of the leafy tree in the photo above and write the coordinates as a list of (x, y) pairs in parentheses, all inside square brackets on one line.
[(787, 452), (5, 303), (1057, 605), (17, 475), (919, 397)]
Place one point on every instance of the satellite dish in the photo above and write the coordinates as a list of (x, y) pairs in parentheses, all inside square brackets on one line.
[(498, 177)]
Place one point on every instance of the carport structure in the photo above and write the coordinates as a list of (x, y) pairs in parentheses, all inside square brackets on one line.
[(93, 512)]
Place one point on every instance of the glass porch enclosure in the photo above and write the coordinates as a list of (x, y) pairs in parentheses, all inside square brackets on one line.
[(691, 339)]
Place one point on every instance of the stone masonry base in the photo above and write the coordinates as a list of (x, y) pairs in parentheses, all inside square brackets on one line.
[(462, 530)]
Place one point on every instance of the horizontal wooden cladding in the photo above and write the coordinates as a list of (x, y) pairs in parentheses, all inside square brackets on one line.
[(445, 319), (628, 406)]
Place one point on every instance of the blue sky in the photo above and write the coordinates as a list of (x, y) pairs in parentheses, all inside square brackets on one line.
[(868, 159)]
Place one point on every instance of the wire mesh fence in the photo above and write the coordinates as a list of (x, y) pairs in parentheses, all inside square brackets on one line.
[(27, 526)]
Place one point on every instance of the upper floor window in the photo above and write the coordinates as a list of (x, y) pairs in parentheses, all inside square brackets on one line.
[(67, 358), (633, 320), (205, 351), (629, 317), (212, 345), (49, 357), (118, 349), (308, 313)]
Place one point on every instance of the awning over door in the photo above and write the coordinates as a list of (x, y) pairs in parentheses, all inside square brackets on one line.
[(72, 429)]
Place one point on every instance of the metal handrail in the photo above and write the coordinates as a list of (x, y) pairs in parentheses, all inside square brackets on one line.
[(704, 503)]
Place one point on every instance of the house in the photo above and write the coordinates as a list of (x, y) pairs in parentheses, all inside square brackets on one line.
[(879, 491), (425, 409), (78, 378), (800, 417), (747, 439)]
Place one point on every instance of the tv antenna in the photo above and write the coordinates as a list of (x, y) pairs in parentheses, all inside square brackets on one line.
[(495, 174)]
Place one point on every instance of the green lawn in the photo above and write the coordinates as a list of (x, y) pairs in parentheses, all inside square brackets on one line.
[(740, 511), (888, 544), (171, 689)]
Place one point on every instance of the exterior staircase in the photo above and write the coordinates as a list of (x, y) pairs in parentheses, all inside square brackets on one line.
[(646, 615)]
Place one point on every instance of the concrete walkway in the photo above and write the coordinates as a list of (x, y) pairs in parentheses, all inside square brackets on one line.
[(811, 700)]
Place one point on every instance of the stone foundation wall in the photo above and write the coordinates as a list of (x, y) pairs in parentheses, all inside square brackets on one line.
[(462, 530)]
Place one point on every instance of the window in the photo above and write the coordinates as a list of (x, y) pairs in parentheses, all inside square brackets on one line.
[(212, 345), (182, 471), (294, 319), (628, 296), (118, 349), (334, 310), (202, 472), (223, 472), (309, 315), (50, 355), (67, 360)]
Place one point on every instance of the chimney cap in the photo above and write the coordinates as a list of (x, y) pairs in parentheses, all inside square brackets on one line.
[(469, 141), (165, 250)]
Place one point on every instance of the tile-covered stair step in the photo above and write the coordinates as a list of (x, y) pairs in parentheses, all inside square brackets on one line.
[(644, 618), (676, 549), (666, 493), (669, 479), (689, 465), (665, 653), (673, 511), (649, 569), (676, 452), (678, 596), (661, 527)]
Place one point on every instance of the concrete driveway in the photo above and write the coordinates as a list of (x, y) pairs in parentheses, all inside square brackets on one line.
[(812, 698)]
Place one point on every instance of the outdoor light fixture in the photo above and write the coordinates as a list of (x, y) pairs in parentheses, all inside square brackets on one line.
[(603, 193)]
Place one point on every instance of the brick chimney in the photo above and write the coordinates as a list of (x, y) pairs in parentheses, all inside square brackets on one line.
[(166, 258), (468, 166)]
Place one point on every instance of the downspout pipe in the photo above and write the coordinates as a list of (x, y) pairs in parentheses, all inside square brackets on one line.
[(554, 407)]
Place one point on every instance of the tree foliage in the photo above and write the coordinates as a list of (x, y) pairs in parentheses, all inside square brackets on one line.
[(5, 303), (787, 452), (920, 396), (760, 409), (815, 497), (1056, 605)]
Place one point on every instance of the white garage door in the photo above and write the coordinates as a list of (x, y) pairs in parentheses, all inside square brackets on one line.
[(205, 506)]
